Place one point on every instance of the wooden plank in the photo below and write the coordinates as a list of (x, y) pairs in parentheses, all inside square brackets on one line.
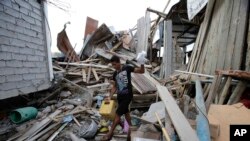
[(163, 129), (84, 76), (98, 85), (85, 65), (235, 73), (240, 34), (213, 90), (38, 126), (198, 74), (202, 127), (247, 65), (240, 88), (181, 124), (89, 73), (223, 34), (225, 90), (95, 74)]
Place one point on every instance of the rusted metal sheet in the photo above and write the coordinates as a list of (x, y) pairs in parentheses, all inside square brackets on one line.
[(65, 47), (91, 26)]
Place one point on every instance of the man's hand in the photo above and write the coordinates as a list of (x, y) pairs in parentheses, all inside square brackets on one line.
[(107, 99), (141, 58)]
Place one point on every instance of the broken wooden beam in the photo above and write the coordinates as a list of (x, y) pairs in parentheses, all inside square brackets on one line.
[(181, 124), (235, 73), (198, 74), (85, 65)]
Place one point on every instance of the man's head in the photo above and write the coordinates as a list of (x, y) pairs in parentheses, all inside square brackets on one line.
[(115, 61)]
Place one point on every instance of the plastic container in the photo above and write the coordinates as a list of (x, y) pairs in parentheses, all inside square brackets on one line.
[(23, 114), (107, 110)]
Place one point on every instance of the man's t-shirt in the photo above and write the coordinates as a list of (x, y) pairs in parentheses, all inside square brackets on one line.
[(123, 82)]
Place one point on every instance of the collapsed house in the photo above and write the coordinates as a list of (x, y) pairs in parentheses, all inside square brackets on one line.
[(196, 101)]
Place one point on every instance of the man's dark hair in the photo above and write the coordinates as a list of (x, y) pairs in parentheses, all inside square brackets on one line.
[(115, 59)]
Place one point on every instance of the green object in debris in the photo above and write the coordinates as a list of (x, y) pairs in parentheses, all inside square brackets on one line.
[(23, 114)]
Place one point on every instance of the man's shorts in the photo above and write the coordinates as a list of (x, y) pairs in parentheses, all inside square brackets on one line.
[(123, 106)]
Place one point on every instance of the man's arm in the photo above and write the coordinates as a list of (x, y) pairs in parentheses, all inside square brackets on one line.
[(113, 89), (139, 70)]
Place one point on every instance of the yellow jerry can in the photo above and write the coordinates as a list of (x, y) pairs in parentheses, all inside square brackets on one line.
[(107, 109)]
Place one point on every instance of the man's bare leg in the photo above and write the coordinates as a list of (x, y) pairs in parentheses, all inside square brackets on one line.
[(114, 124), (128, 119)]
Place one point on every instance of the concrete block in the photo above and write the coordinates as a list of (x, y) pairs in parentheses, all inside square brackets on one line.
[(21, 70), (17, 42), (3, 24), (2, 79), (8, 86), (41, 64), (16, 6), (30, 32), (29, 64), (27, 90), (44, 86), (41, 58), (24, 4), (11, 12), (28, 18), (19, 57), (36, 28), (22, 84), (33, 46), (41, 47), (37, 41), (37, 11), (4, 40), (40, 76), (27, 50), (44, 69), (33, 58), (40, 53), (29, 76), (5, 56), (14, 63), (6, 2), (2, 64), (7, 18), (40, 36), (7, 33), (8, 94), (6, 71), (14, 78), (38, 23), (1, 8), (15, 28), (24, 11), (34, 70), (36, 16), (23, 37), (35, 4), (22, 23)]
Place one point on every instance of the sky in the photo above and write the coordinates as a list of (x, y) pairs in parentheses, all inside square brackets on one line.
[(121, 14)]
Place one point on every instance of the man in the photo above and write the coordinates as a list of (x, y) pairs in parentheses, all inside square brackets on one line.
[(123, 87)]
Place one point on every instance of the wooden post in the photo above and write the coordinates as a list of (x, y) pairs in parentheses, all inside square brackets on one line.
[(240, 88), (166, 64), (225, 90)]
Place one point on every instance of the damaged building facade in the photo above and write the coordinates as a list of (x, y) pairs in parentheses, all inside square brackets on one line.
[(24, 55)]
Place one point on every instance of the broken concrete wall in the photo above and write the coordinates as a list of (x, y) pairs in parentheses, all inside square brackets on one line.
[(23, 51)]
